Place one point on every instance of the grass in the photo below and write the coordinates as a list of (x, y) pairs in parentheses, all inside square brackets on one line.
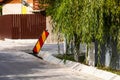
[(70, 57), (65, 56), (110, 70)]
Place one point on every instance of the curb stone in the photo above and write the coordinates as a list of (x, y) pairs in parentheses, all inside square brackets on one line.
[(117, 78), (47, 56)]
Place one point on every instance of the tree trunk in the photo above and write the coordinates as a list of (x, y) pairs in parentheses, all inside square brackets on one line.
[(76, 54), (71, 47), (65, 43), (76, 47), (115, 56), (91, 54)]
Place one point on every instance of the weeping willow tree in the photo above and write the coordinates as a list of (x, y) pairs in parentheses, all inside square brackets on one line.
[(85, 21), (78, 21), (66, 17), (111, 17)]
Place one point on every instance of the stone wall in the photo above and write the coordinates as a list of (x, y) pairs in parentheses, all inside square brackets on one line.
[(52, 38)]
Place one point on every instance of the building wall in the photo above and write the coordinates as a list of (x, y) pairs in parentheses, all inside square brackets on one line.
[(1, 0), (15, 7), (8, 9), (16, 1), (52, 38)]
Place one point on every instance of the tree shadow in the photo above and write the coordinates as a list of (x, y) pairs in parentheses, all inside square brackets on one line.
[(30, 77), (12, 66)]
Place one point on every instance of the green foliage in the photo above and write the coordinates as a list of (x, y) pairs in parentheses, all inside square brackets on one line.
[(88, 20), (0, 9), (111, 18), (79, 17)]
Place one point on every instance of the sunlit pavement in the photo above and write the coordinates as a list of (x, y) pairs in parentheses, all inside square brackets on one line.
[(15, 64)]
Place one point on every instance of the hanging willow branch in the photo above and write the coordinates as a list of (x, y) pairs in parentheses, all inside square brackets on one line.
[(91, 20)]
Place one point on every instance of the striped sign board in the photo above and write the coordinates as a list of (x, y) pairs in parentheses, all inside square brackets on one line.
[(40, 42)]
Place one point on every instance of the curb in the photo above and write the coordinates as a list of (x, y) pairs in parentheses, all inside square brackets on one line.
[(47, 56)]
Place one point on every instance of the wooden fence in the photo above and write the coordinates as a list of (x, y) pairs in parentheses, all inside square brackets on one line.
[(18, 26)]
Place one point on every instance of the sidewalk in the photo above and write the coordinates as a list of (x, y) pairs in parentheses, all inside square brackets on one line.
[(47, 53), (17, 64)]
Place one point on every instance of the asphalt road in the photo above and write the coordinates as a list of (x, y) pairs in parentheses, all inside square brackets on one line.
[(15, 64)]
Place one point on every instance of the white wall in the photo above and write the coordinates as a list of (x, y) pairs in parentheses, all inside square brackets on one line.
[(14, 9)]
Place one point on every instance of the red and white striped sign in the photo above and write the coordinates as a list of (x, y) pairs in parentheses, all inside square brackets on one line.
[(40, 42)]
